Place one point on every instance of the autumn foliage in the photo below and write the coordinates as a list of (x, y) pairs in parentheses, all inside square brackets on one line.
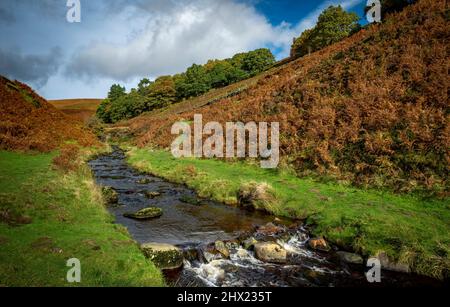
[(372, 109), (29, 122)]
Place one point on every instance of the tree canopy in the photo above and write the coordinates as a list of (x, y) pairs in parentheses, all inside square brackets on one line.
[(334, 24), (195, 81)]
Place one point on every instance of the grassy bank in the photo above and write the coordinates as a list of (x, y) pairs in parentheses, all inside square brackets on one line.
[(47, 217), (410, 230)]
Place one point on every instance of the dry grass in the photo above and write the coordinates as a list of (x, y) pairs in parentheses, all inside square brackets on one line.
[(80, 109), (29, 122)]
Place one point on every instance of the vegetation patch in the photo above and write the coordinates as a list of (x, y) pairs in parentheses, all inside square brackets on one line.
[(67, 220)]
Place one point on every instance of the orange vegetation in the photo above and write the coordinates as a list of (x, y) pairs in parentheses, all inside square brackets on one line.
[(81, 109), (29, 122), (372, 109)]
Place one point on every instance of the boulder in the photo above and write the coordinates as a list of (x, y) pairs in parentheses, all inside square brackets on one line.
[(145, 214), (350, 258), (319, 244), (270, 252), (164, 256), (222, 249), (110, 195)]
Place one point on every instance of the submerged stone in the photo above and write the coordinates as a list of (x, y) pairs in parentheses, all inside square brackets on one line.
[(150, 194), (145, 214), (143, 181)]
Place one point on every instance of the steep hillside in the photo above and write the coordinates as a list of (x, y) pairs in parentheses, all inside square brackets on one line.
[(372, 109), (81, 109), (29, 122)]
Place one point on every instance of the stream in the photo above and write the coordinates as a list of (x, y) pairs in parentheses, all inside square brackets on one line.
[(195, 228)]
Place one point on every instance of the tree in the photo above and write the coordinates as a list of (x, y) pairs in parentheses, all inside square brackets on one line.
[(143, 86), (116, 92), (257, 61), (103, 111), (334, 24), (302, 44), (193, 83), (162, 93)]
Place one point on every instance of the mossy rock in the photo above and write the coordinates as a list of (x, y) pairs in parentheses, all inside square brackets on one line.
[(143, 181), (164, 256), (110, 195), (145, 214), (150, 194)]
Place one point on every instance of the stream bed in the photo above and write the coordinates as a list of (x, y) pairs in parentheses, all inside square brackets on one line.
[(195, 229)]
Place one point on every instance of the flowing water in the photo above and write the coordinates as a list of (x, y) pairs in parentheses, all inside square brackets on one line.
[(194, 228)]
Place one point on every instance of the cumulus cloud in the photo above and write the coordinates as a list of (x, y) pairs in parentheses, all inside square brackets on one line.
[(178, 34), (30, 68), (168, 35)]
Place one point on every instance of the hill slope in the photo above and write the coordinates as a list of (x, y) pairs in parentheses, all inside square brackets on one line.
[(29, 122), (81, 109), (372, 109)]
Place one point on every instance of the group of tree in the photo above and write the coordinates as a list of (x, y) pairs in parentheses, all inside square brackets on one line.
[(197, 80), (335, 24)]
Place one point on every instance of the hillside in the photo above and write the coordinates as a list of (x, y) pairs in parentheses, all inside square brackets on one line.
[(81, 109), (371, 110), (29, 122)]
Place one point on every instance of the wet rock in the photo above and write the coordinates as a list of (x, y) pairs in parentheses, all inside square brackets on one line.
[(222, 249), (389, 265), (319, 244), (270, 252), (143, 181), (191, 200), (208, 256), (232, 244), (270, 229), (151, 195), (249, 243), (350, 258), (145, 214), (110, 195), (164, 256)]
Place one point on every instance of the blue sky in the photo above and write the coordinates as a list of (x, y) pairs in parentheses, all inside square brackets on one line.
[(122, 41)]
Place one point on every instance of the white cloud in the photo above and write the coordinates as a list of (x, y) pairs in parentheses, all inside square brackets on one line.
[(168, 41), (165, 37)]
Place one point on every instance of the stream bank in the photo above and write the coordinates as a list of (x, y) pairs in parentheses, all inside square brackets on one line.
[(220, 243)]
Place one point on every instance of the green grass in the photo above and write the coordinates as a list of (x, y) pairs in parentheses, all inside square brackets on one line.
[(409, 229), (68, 220)]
